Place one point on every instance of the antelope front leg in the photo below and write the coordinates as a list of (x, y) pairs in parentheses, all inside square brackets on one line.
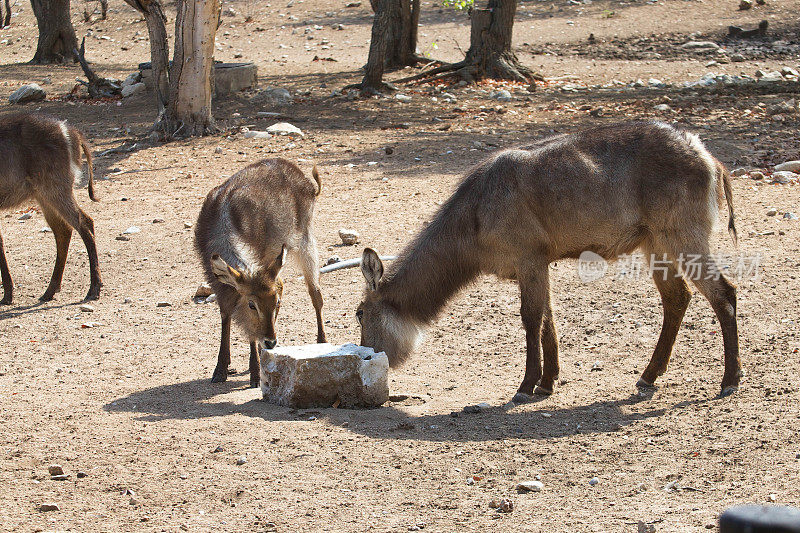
[(8, 285), (310, 266), (224, 357), (533, 289), (255, 366)]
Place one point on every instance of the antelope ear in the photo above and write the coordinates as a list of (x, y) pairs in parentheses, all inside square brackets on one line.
[(277, 264), (372, 268), (225, 273)]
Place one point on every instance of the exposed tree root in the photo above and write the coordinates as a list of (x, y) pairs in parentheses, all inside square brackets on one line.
[(98, 87)]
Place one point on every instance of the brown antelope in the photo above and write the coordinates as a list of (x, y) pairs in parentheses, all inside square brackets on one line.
[(608, 190), (41, 159), (244, 231)]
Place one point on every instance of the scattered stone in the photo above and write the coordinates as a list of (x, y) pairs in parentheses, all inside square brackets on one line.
[(744, 5), (700, 46), (756, 175), (789, 72), (501, 95), (771, 212), (655, 82), (131, 230), (204, 290), (321, 375), (769, 77), (472, 409), (253, 134), (594, 481), (597, 366), (332, 260), (163, 304), (25, 216), (158, 221), (187, 225), (211, 299), (46, 507), (241, 460), (85, 308), (62, 477), (783, 177), (736, 172), (530, 486), (55, 470), (790, 216), (353, 4), (662, 107), (402, 98), (273, 96), (448, 98), (597, 112), (786, 107), (27, 93), (789, 166), (131, 90), (349, 236), (284, 128), (81, 474), (503, 505), (644, 527), (773, 497), (738, 58)]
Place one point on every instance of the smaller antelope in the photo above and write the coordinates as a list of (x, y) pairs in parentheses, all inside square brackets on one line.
[(607, 190), (40, 158), (245, 229)]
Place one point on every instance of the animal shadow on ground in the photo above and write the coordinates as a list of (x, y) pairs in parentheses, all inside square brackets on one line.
[(191, 400)]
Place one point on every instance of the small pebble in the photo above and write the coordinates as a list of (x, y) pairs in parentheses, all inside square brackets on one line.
[(736, 172), (187, 225), (131, 230), (756, 175), (203, 291), (86, 308), (45, 507), (349, 236), (25, 216), (594, 481), (530, 486), (81, 474), (771, 212), (163, 304), (55, 470), (158, 221), (241, 460)]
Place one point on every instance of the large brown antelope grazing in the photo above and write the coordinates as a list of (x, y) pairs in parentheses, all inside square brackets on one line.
[(244, 231), (41, 159), (608, 190)]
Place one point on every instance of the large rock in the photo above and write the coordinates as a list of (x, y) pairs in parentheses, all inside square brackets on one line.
[(790, 166), (228, 77), (284, 128), (27, 93), (323, 375)]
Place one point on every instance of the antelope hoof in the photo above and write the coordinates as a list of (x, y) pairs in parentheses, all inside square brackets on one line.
[(642, 384), (541, 391), (219, 377), (93, 294), (521, 397), (254, 384), (727, 391), (46, 297), (6, 300)]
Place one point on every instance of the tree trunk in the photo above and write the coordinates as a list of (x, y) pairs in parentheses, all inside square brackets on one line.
[(7, 18), (490, 54), (189, 108), (156, 21), (57, 40), (394, 40)]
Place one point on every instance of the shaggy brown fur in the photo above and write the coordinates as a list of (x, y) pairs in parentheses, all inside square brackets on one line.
[(41, 160), (608, 190)]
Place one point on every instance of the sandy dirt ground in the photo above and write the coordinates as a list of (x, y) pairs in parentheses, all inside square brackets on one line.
[(128, 403)]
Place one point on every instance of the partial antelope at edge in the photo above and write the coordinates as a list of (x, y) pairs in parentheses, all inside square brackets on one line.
[(41, 159), (245, 230), (609, 191)]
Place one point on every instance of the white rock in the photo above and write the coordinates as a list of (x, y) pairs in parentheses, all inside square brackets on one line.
[(789, 72), (284, 128), (348, 236), (253, 134), (241, 460), (274, 96), (594, 481), (771, 212), (770, 77), (655, 82), (130, 90), (211, 299), (700, 46), (530, 486), (27, 93), (132, 229), (320, 375), (86, 308), (402, 97), (790, 166), (25, 216), (662, 107), (789, 216), (132, 79)]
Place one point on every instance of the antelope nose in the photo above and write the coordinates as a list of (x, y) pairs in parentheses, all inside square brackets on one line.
[(270, 343)]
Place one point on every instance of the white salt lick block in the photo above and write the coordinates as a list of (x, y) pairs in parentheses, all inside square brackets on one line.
[(323, 375)]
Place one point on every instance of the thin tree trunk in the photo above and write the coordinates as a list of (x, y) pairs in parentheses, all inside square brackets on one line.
[(490, 54), (153, 13), (57, 41), (189, 108), (394, 40)]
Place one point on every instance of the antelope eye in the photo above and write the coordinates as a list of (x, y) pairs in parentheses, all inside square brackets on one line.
[(359, 315), (252, 305)]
